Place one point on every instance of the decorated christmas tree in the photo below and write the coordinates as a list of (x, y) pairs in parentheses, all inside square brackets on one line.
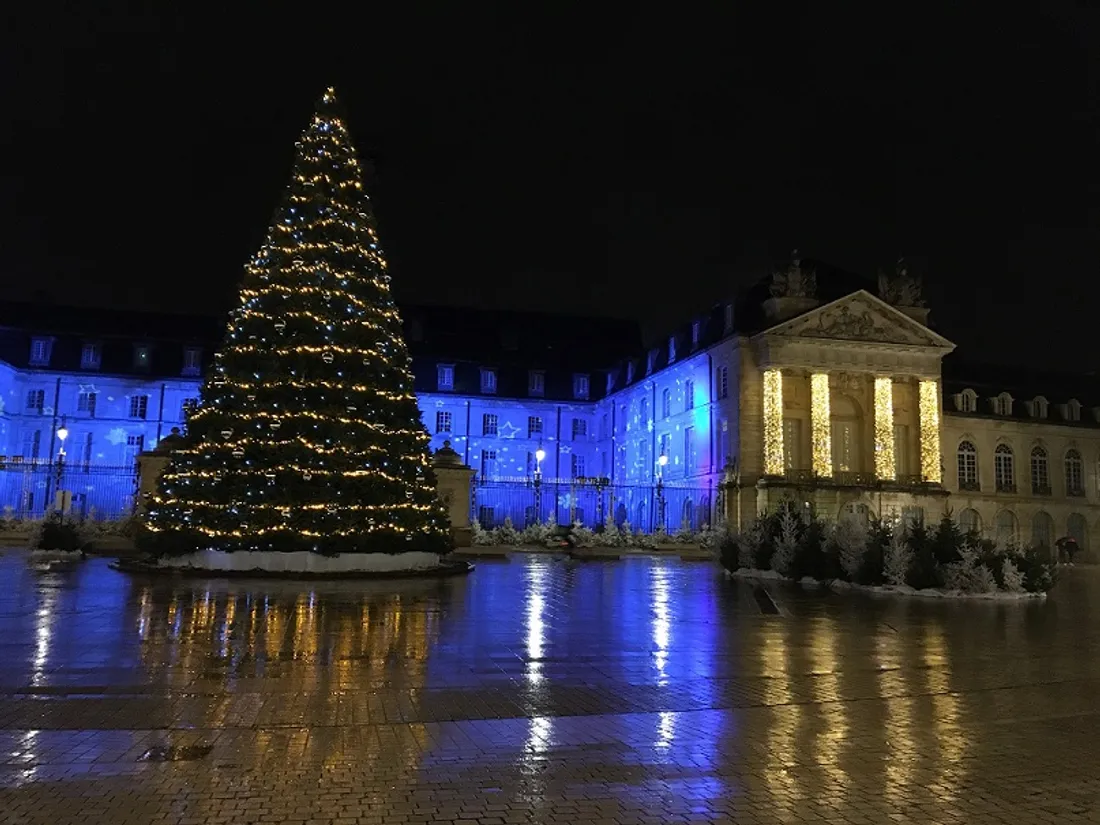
[(308, 435)]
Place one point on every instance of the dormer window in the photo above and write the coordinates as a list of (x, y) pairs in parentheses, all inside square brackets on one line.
[(536, 383), (143, 356), (1073, 410), (445, 377), (1037, 407), (696, 331), (1002, 404), (727, 320), (650, 361), (610, 382), (629, 371), (967, 401), (671, 349), (192, 361), (91, 355), (41, 348), (580, 387), (488, 381)]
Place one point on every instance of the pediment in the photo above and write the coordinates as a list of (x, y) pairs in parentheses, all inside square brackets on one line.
[(861, 317)]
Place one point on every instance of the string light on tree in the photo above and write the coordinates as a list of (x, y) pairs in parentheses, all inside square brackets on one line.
[(308, 435)]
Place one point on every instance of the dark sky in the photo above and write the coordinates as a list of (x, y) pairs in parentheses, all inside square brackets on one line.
[(571, 156)]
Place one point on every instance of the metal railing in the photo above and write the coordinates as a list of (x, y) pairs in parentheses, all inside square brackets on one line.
[(28, 489), (568, 501)]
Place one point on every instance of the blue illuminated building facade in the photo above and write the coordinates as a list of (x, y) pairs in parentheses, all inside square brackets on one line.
[(500, 387)]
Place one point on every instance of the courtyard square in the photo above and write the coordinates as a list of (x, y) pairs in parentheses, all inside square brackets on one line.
[(540, 690)]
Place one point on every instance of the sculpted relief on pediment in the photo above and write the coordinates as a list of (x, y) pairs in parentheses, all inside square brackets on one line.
[(858, 319)]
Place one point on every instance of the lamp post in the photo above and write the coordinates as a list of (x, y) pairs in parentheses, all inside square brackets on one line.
[(62, 434), (540, 454), (662, 460)]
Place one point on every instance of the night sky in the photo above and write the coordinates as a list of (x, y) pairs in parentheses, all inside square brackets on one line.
[(573, 157)]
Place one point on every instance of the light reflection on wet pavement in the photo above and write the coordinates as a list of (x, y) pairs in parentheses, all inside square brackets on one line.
[(539, 690)]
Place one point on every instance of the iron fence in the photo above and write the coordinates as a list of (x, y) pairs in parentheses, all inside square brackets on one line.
[(28, 489), (570, 501)]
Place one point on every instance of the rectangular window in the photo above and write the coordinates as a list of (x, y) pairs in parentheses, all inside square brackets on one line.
[(580, 429), (901, 450), (489, 424), (843, 446), (643, 412), (577, 465), (663, 444), (85, 403), (488, 464), (40, 351), (188, 406), (722, 382), (723, 444), (603, 464), (534, 426), (912, 516), (192, 361), (603, 426), (485, 516), (445, 377), (86, 453), (143, 355), (135, 445), (689, 395), (139, 406), (689, 451), (580, 387), (792, 444), (666, 403), (91, 355), (532, 463), (488, 381), (536, 384), (32, 443), (443, 422), (36, 400)]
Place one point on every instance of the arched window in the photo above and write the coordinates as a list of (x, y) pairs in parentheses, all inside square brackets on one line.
[(1006, 528), (970, 521), (1078, 530), (1038, 407), (1002, 404), (968, 466), (1040, 472), (1042, 530), (1004, 469), (688, 519), (1075, 477)]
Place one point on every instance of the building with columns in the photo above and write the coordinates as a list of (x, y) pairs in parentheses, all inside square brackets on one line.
[(814, 385)]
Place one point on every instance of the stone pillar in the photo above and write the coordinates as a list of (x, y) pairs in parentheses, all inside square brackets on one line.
[(821, 427), (453, 483), (931, 462), (151, 464), (885, 466), (774, 454)]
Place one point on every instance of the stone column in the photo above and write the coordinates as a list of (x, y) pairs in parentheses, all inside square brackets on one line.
[(453, 483), (821, 428), (885, 467), (151, 464), (931, 462), (774, 455)]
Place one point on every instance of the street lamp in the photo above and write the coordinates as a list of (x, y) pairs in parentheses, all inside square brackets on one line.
[(540, 454), (662, 460), (62, 434)]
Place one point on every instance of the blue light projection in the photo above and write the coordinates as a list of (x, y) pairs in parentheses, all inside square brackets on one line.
[(111, 419)]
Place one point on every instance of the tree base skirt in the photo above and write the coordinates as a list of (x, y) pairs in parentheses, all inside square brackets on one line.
[(301, 564)]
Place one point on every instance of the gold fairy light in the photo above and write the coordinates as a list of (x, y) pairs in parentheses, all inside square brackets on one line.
[(929, 407), (821, 425), (773, 423), (884, 429)]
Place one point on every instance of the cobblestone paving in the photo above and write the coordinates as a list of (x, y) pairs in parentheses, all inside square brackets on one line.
[(544, 691)]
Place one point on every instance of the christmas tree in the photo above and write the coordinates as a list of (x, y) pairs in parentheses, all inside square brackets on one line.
[(308, 435)]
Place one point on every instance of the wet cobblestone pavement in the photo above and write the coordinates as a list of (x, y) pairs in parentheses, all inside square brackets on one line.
[(540, 690)]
